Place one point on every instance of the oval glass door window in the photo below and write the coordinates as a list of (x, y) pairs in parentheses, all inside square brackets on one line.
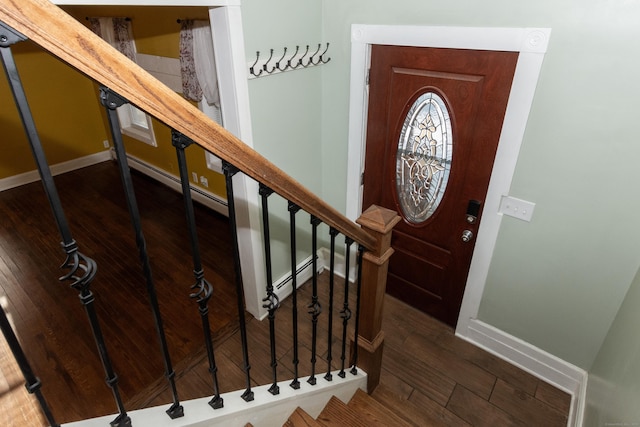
[(423, 159)]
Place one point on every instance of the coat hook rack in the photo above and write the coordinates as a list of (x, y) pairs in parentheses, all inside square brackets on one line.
[(299, 59)]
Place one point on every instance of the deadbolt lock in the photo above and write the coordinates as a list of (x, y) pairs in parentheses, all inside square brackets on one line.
[(473, 210)]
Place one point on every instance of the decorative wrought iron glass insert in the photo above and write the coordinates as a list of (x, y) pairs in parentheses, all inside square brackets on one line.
[(423, 159)]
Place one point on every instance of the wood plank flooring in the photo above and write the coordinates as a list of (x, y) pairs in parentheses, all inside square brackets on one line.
[(47, 315), (429, 376)]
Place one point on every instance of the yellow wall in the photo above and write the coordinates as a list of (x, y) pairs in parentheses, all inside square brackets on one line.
[(157, 32), (64, 106), (69, 116)]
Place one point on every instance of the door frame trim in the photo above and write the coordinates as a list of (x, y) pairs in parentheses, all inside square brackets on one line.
[(531, 43)]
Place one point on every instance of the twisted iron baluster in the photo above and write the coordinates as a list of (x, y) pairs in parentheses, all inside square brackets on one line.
[(8, 37), (293, 209), (204, 290), (314, 308), (82, 269), (345, 313), (333, 233), (111, 101), (354, 355), (271, 301), (229, 171)]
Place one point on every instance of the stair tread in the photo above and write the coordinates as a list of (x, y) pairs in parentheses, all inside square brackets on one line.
[(376, 413), (300, 418), (338, 414)]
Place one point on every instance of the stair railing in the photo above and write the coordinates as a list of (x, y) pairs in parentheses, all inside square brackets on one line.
[(64, 37)]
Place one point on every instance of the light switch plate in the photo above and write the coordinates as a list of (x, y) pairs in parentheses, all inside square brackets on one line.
[(517, 208)]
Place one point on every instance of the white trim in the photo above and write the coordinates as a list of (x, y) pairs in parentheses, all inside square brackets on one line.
[(57, 169), (144, 133), (265, 409), (324, 259), (228, 44), (547, 367), (581, 404), (531, 43), (212, 201)]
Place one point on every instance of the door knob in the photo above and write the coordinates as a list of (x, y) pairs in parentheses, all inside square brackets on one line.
[(467, 235)]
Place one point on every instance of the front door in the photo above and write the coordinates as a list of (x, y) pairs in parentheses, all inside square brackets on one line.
[(435, 117)]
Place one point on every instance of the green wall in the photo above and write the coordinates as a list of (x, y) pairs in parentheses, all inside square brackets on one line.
[(286, 109), (613, 389), (558, 281)]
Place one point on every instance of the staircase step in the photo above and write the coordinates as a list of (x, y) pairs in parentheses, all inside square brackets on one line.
[(338, 414), (364, 411), (300, 418), (376, 413)]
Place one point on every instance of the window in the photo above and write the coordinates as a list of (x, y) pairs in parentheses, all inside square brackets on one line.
[(117, 32), (136, 124), (423, 159)]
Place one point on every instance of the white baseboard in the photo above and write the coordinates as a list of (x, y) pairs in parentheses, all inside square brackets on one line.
[(324, 256), (545, 366), (206, 198), (199, 195), (304, 272), (57, 169)]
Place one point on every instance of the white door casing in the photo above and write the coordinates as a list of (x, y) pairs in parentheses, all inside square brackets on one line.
[(531, 43)]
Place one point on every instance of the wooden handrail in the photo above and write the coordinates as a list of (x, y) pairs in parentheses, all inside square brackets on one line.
[(63, 36)]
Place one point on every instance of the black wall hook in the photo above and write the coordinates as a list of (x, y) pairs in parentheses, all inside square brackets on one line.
[(322, 55), (311, 60), (252, 69), (266, 64), (280, 60), (291, 59)]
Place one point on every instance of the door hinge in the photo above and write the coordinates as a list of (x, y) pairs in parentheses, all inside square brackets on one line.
[(367, 79), (362, 178)]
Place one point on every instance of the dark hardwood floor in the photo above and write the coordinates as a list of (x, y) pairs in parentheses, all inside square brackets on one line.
[(429, 376), (50, 320)]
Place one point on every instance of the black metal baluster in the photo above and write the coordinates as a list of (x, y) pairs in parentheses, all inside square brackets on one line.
[(345, 313), (272, 303), (314, 308), (354, 356), (82, 269), (111, 101), (7, 38), (333, 233), (203, 288), (229, 172), (32, 383), (293, 209)]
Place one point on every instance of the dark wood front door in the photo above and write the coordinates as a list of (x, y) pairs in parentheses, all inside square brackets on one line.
[(435, 117)]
